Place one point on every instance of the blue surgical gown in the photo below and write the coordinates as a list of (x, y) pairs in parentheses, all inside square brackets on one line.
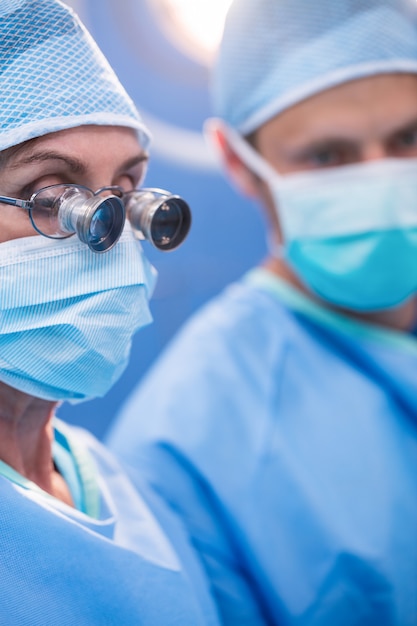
[(286, 437), (130, 565)]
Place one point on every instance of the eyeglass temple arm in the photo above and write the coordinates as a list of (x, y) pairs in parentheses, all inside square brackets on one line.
[(23, 204)]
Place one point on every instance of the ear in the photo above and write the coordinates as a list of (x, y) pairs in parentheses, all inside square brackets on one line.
[(239, 174)]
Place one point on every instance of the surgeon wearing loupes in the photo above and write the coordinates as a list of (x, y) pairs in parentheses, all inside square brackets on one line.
[(80, 541), (286, 433)]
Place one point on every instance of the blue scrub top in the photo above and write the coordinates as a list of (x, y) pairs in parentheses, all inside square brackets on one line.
[(286, 436), (128, 564)]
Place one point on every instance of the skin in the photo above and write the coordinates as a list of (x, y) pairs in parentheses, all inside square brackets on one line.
[(93, 156), (356, 122)]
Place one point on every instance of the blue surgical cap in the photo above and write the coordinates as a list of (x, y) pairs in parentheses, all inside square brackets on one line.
[(53, 76), (276, 53)]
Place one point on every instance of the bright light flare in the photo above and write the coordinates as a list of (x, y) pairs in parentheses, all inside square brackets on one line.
[(196, 26)]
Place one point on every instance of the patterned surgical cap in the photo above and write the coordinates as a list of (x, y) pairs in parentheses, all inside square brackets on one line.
[(276, 53), (53, 76)]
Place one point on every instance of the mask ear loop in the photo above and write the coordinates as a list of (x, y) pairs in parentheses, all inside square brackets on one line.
[(275, 248), (242, 148), (251, 159)]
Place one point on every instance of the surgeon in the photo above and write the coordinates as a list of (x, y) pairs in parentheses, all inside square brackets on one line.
[(284, 416), (80, 543)]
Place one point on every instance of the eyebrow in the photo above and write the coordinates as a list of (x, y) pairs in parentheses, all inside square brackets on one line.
[(136, 160), (75, 165), (338, 138), (340, 135), (402, 127)]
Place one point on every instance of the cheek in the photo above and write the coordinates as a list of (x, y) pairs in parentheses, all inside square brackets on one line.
[(14, 223), (268, 206)]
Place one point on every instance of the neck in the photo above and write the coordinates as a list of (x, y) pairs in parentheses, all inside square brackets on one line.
[(402, 318), (26, 437)]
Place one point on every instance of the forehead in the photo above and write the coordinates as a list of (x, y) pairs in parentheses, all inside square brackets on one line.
[(371, 103)]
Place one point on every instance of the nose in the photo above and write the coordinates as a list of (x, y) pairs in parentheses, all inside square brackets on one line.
[(109, 190), (374, 151)]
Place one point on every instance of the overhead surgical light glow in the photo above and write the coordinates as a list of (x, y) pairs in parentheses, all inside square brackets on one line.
[(195, 25)]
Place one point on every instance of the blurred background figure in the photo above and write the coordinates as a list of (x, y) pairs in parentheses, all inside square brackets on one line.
[(163, 51), (281, 422)]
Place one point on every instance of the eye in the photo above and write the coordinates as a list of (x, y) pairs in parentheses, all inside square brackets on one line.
[(406, 140), (27, 191), (132, 177), (40, 183), (328, 155), (325, 158), (126, 182)]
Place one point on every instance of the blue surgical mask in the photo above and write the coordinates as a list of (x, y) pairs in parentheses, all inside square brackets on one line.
[(67, 315), (349, 233)]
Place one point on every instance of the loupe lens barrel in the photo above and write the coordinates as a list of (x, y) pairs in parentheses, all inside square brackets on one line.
[(106, 224), (97, 221), (160, 217)]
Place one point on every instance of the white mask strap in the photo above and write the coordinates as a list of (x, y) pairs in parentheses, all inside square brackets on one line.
[(275, 248), (250, 157)]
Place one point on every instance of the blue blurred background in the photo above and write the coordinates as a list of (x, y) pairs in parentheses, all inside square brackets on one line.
[(168, 77)]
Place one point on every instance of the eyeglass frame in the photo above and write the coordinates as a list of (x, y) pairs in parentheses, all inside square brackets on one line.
[(28, 205), (143, 216)]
